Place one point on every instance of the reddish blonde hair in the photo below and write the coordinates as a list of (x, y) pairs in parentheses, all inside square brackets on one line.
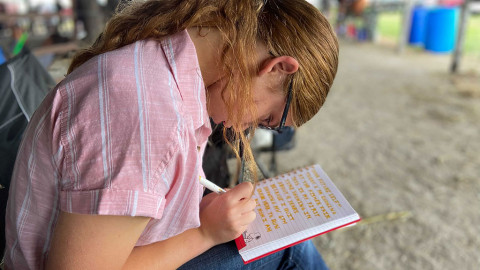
[(288, 27)]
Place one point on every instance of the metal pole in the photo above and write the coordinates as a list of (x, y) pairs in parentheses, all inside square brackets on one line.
[(28, 6), (407, 14), (457, 54)]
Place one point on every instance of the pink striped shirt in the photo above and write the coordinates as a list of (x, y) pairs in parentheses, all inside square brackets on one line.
[(124, 134)]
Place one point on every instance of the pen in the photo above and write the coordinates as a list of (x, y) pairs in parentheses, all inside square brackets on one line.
[(211, 186)]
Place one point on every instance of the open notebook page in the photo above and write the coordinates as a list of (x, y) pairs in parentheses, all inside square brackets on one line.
[(293, 207)]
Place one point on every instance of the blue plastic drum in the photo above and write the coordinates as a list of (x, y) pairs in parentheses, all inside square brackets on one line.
[(418, 25), (2, 57), (441, 29)]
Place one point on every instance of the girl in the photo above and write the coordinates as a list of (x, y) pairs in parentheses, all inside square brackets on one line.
[(107, 174)]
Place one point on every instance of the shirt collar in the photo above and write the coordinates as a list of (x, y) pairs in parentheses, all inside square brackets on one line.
[(182, 58)]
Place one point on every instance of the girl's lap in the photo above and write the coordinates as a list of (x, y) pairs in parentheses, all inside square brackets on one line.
[(226, 256)]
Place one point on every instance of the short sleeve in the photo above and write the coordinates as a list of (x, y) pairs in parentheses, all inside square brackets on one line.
[(116, 133)]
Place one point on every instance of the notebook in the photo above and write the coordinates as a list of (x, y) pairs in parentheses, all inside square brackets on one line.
[(292, 208)]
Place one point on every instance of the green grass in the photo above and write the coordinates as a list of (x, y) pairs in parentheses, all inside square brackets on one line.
[(389, 26), (472, 38)]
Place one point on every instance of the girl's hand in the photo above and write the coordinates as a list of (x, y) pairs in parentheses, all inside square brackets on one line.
[(224, 217), (207, 199)]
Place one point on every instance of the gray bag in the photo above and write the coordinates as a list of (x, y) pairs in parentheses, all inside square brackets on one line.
[(24, 83)]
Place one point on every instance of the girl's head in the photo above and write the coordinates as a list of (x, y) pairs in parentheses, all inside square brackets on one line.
[(297, 29), (291, 35)]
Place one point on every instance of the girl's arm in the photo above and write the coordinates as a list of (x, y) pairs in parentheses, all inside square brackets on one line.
[(108, 242)]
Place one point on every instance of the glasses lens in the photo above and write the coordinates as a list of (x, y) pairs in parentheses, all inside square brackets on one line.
[(280, 128)]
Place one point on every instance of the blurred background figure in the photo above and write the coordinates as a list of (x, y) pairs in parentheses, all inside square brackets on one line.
[(351, 7), (348, 8), (91, 16)]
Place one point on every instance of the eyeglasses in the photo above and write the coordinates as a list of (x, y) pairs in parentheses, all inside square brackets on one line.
[(280, 127)]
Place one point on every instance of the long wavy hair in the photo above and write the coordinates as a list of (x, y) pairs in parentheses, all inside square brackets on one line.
[(288, 27)]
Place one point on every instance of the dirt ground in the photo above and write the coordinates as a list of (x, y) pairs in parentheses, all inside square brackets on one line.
[(400, 137)]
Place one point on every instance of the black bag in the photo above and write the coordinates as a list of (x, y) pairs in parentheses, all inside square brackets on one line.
[(24, 83)]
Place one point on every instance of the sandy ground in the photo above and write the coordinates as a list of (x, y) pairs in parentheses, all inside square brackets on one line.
[(400, 137)]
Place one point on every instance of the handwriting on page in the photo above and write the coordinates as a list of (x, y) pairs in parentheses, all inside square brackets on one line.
[(283, 199)]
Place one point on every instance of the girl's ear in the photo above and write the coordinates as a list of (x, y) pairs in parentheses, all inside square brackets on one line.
[(283, 64)]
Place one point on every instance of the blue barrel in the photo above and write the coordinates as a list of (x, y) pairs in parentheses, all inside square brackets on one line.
[(441, 29), (418, 25), (2, 57)]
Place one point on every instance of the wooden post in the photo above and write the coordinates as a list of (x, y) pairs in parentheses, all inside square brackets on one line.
[(457, 53)]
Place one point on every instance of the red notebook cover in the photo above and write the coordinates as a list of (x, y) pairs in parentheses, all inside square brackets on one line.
[(240, 242)]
